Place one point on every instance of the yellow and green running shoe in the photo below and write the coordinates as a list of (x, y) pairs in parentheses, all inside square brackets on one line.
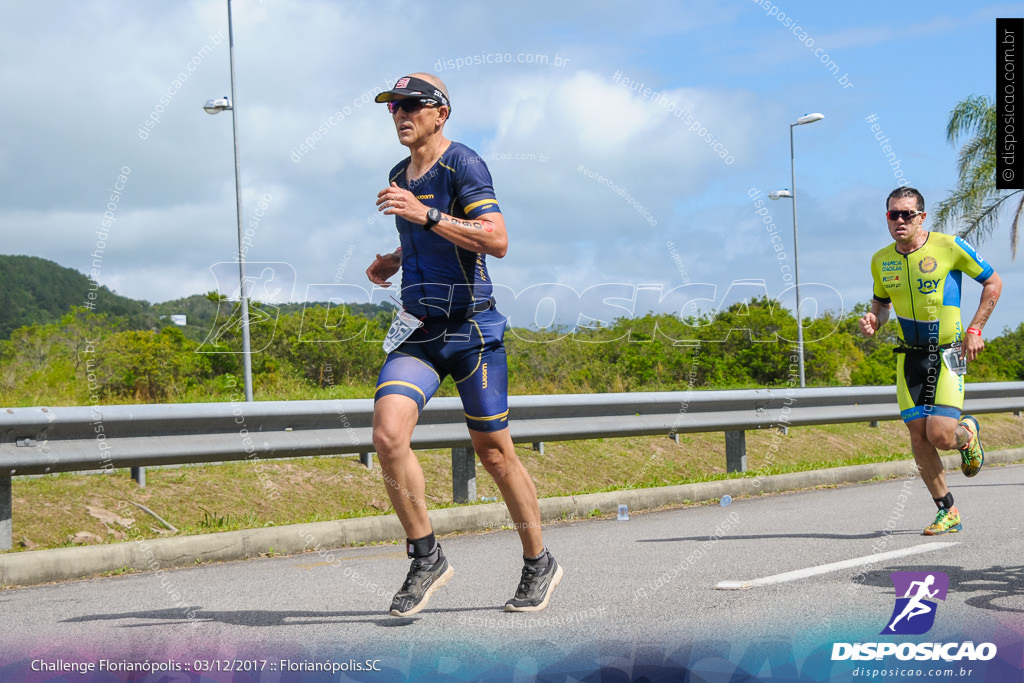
[(946, 522), (972, 455)]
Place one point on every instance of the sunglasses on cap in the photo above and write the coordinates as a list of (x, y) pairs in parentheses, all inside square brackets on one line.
[(410, 105), (905, 215)]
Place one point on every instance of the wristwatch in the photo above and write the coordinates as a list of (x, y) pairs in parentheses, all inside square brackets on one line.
[(433, 218)]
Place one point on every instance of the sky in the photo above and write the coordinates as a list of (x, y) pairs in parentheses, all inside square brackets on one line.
[(629, 145)]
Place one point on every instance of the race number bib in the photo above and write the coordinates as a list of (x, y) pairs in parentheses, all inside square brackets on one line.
[(956, 364), (402, 328)]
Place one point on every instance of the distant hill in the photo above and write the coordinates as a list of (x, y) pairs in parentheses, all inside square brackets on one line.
[(35, 290)]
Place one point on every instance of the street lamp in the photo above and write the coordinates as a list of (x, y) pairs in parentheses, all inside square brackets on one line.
[(791, 194), (215, 106)]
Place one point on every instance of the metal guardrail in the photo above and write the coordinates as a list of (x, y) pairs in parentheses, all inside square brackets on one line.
[(41, 440)]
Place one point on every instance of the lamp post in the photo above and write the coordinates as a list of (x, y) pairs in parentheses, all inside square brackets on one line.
[(216, 106), (791, 194)]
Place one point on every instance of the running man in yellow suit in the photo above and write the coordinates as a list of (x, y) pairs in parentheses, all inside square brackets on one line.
[(920, 275)]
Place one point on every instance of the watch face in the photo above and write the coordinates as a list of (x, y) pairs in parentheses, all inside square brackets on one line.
[(434, 215)]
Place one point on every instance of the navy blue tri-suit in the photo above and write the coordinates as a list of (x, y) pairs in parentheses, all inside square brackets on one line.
[(449, 289)]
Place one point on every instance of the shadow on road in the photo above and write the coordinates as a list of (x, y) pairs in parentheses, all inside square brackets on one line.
[(991, 585), (265, 618)]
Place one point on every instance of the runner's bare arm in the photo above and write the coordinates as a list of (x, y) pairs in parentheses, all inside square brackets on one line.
[(991, 289), (874, 319), (485, 234)]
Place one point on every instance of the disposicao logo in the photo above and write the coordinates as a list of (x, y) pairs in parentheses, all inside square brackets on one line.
[(914, 614)]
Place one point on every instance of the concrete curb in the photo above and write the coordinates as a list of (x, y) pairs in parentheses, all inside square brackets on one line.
[(64, 564)]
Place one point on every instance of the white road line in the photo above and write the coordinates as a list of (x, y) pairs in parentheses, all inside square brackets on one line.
[(833, 567)]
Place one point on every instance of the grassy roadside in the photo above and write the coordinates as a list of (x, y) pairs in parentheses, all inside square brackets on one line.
[(76, 509)]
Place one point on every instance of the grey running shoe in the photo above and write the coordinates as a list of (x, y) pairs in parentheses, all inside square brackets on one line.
[(535, 588), (421, 582)]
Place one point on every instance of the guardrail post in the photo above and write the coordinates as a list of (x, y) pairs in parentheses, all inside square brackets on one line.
[(736, 451), (5, 513), (463, 475), (139, 475), (539, 447), (367, 460)]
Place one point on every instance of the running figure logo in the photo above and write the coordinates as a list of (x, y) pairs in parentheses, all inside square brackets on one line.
[(914, 613)]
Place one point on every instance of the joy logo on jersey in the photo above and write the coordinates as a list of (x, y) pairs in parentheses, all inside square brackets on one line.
[(914, 612), (927, 286)]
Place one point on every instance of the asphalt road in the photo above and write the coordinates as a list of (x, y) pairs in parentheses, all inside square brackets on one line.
[(638, 597)]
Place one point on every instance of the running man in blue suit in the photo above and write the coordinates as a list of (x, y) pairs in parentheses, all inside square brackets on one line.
[(448, 222)]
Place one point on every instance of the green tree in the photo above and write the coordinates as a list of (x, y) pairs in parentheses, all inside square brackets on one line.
[(47, 363), (331, 346), (875, 363), (974, 204), (147, 366), (1002, 360)]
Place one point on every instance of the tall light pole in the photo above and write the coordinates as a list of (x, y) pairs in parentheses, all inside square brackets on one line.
[(784, 194), (215, 107)]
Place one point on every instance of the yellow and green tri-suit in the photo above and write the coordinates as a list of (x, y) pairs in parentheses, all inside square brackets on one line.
[(924, 288)]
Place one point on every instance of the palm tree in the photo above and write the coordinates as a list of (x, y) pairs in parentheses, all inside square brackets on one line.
[(975, 202)]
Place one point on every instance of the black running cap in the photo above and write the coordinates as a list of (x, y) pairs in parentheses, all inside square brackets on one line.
[(410, 86)]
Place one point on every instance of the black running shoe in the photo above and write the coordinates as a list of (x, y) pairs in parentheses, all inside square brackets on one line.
[(421, 582), (535, 588)]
